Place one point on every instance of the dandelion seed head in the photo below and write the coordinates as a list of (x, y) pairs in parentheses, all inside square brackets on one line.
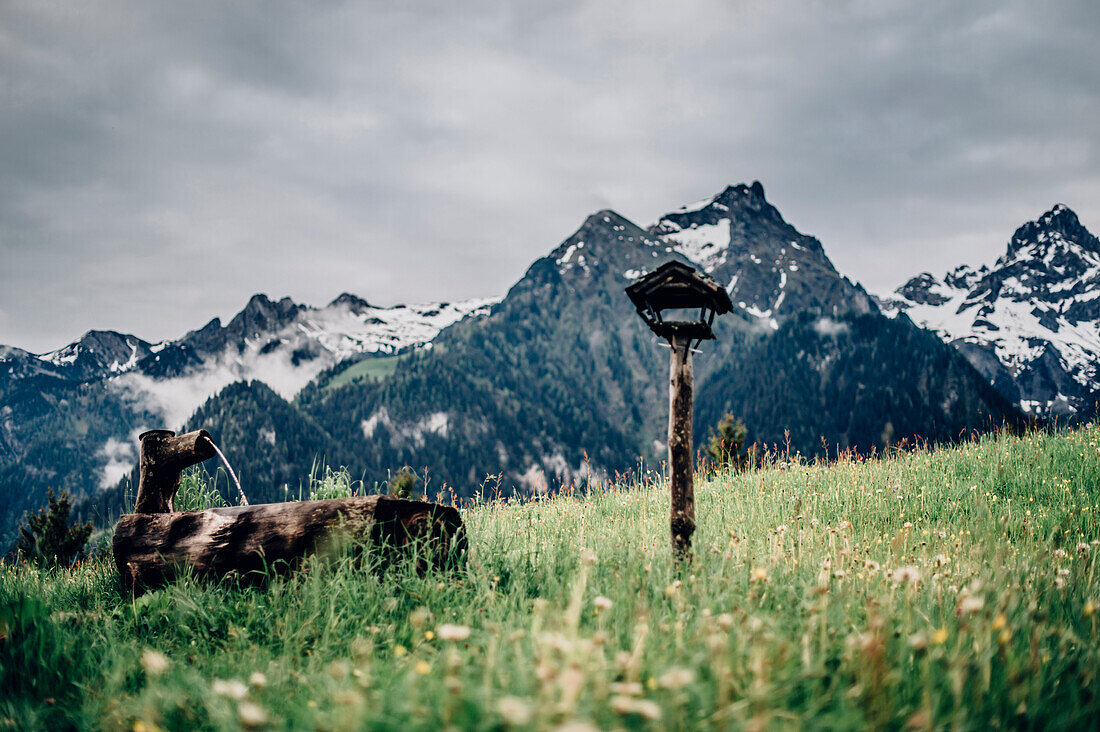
[(419, 617), (970, 604), (514, 710), (251, 714), (231, 688), (906, 575), (155, 663)]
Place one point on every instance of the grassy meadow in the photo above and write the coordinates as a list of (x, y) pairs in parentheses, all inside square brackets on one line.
[(951, 588)]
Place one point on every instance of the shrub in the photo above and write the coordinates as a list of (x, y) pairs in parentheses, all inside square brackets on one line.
[(726, 446), (46, 537), (402, 484)]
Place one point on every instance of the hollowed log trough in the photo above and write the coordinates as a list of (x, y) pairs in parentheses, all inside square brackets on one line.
[(152, 547)]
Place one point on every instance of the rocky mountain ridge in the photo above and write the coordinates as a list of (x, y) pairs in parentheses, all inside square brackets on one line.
[(283, 343), (768, 267), (1030, 322)]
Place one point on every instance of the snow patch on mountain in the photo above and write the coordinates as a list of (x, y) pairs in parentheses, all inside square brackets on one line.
[(573, 257), (62, 356), (697, 206), (1035, 310), (704, 244), (293, 353)]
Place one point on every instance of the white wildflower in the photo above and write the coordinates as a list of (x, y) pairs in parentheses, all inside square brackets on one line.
[(514, 710), (676, 678), (231, 688), (906, 575), (252, 715), (630, 705), (154, 662), (627, 688), (450, 632), (970, 604)]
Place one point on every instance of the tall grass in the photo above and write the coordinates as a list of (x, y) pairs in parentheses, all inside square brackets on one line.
[(933, 588)]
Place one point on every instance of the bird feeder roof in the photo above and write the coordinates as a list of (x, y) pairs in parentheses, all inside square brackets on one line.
[(677, 285)]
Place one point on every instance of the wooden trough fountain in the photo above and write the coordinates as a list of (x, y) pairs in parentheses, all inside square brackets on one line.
[(155, 544)]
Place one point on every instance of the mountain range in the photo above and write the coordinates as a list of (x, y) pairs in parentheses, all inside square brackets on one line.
[(1030, 322), (557, 382), (69, 419)]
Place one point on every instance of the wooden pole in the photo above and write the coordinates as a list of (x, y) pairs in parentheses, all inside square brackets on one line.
[(681, 481)]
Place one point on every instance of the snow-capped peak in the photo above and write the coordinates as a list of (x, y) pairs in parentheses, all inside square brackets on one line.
[(1031, 322), (98, 352), (770, 269), (282, 343)]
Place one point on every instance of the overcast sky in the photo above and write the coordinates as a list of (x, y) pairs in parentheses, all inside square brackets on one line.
[(161, 162)]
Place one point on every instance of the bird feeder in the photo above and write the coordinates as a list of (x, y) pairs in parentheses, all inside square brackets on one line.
[(679, 304)]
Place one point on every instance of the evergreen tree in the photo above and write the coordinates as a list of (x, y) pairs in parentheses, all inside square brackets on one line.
[(47, 538), (725, 448)]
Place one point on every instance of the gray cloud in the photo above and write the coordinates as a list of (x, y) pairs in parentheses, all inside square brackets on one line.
[(160, 162)]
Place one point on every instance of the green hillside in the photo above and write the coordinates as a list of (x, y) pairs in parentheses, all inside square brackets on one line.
[(954, 587)]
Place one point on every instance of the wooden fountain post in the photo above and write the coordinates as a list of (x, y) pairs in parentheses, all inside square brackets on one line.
[(162, 460), (155, 544)]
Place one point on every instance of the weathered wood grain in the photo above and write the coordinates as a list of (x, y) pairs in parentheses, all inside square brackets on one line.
[(151, 549), (680, 458), (163, 457)]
